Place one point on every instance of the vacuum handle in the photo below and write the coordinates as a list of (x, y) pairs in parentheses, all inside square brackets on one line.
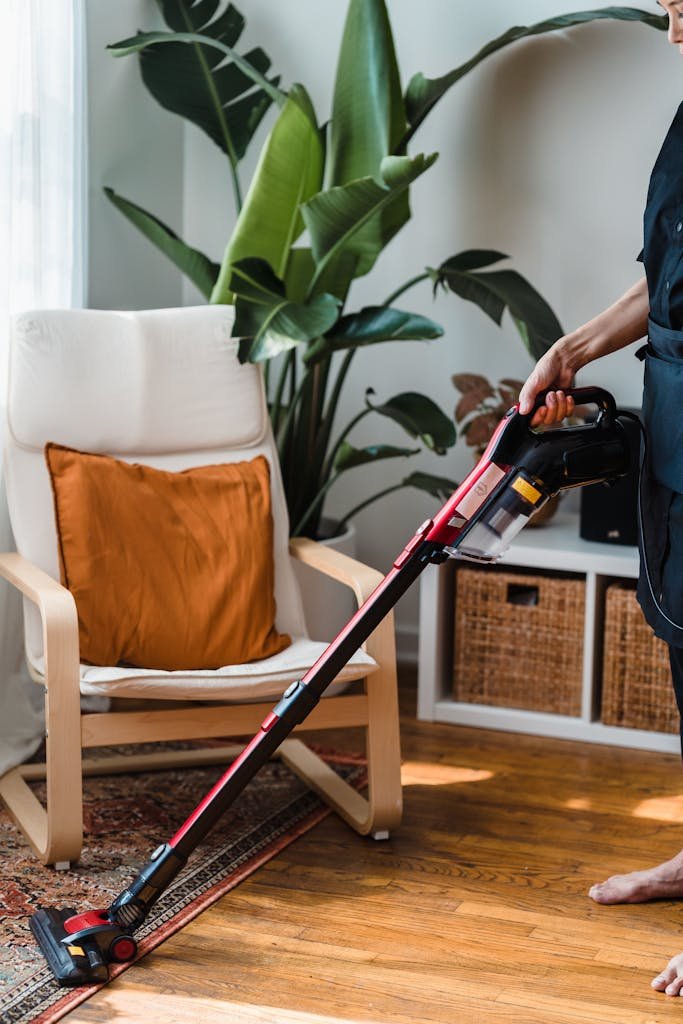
[(584, 396)]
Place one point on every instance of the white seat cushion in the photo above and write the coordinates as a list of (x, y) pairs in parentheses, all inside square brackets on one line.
[(256, 680)]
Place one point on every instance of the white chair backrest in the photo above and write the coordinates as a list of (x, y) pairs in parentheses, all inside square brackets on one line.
[(162, 387)]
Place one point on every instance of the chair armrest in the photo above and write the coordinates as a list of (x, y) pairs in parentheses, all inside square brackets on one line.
[(33, 582), (58, 835), (348, 571), (57, 612)]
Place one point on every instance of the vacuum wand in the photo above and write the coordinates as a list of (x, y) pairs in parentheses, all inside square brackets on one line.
[(519, 471)]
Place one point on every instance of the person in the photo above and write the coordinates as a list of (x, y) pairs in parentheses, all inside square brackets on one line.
[(653, 307)]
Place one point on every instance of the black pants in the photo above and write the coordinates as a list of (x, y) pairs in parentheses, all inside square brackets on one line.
[(676, 660)]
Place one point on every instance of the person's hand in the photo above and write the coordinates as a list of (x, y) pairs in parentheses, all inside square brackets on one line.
[(551, 371)]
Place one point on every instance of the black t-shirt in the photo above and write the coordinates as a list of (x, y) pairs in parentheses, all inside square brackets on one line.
[(662, 253)]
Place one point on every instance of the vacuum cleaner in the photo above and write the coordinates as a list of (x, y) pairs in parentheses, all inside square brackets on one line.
[(520, 470)]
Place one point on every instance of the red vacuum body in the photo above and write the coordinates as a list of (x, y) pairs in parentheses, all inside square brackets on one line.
[(519, 471)]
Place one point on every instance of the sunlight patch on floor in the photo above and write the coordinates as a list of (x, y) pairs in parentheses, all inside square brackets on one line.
[(130, 1006), (426, 773), (660, 808), (579, 803)]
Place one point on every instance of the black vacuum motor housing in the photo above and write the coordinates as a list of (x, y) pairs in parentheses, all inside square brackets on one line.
[(609, 512)]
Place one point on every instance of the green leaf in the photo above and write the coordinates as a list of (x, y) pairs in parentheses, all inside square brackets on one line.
[(420, 417), (139, 42), (348, 457), (334, 218), (254, 279), (496, 290), (200, 270), (371, 325), (298, 273), (288, 173), (301, 268), (423, 93), (194, 81), (368, 118), (440, 487), (264, 313), (472, 259)]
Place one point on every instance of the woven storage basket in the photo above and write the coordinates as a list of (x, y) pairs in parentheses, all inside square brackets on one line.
[(636, 677), (519, 640)]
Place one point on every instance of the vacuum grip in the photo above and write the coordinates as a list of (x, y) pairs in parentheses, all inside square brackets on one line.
[(585, 396)]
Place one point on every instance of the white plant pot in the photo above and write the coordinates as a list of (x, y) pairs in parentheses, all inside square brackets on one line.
[(328, 605)]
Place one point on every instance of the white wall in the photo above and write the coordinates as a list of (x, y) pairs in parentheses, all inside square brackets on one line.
[(545, 154), (137, 149)]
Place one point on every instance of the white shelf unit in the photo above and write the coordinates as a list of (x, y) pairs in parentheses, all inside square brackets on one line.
[(556, 546)]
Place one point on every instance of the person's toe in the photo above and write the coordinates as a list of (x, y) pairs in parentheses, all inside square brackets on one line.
[(670, 981), (663, 980), (674, 988), (603, 892)]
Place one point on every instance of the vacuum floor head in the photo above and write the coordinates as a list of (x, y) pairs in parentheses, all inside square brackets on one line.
[(70, 963)]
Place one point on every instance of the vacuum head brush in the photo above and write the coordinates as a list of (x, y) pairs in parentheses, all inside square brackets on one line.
[(70, 963)]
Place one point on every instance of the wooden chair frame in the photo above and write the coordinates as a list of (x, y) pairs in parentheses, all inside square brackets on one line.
[(56, 832)]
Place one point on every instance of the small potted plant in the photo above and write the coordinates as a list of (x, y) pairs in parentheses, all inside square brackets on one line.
[(478, 412), (481, 407)]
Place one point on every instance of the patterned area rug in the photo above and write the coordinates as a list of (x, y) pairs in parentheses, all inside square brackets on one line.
[(126, 817)]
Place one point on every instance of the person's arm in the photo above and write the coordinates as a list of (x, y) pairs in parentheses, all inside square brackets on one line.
[(616, 327)]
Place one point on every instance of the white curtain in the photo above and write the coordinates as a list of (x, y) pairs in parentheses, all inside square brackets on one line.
[(42, 253)]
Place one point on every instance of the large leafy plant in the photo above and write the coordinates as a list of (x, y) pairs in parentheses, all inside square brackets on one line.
[(323, 202)]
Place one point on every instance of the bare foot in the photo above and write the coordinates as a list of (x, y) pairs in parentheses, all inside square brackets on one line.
[(670, 981), (665, 881)]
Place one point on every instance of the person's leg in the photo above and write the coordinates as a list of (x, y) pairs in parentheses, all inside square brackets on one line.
[(664, 881)]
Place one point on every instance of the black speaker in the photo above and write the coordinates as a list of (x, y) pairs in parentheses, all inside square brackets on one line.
[(609, 512)]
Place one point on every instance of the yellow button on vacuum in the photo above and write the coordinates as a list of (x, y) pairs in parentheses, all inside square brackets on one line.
[(527, 490)]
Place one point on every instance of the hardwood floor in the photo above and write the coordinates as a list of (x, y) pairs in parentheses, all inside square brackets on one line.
[(474, 910)]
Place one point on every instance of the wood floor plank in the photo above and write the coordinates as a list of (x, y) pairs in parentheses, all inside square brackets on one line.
[(475, 909)]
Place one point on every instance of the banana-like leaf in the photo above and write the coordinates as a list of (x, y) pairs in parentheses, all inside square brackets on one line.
[(348, 457), (371, 325), (336, 279), (288, 173), (195, 82), (497, 290), (420, 417), (139, 42), (423, 93), (298, 273), (264, 313), (335, 218), (368, 118), (475, 259), (440, 487), (194, 264)]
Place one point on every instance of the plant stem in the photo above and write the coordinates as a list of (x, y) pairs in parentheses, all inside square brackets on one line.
[(340, 440), (315, 505), (289, 418), (236, 188), (277, 400), (333, 401), (220, 113), (404, 287), (368, 501)]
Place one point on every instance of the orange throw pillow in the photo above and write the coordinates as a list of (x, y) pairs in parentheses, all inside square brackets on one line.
[(168, 570)]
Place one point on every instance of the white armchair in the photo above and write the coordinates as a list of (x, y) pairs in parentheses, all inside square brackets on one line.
[(164, 388)]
